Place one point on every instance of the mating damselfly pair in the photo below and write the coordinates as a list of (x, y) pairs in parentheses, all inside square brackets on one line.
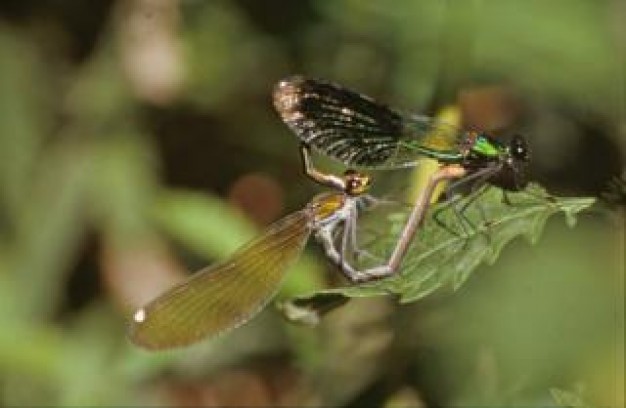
[(358, 132)]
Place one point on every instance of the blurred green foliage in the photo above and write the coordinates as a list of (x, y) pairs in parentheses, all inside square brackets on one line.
[(125, 125)]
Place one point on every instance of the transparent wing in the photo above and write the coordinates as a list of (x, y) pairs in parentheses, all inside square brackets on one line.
[(224, 295), (356, 130)]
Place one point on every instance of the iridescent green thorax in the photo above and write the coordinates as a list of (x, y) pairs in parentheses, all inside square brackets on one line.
[(472, 148), (486, 147)]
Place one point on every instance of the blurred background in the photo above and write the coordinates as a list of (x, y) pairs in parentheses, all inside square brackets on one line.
[(138, 142)]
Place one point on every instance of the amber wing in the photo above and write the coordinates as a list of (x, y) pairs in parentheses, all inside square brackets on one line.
[(224, 295)]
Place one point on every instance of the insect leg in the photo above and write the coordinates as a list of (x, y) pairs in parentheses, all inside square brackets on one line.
[(478, 179), (325, 179), (324, 236), (351, 232), (445, 207), (413, 222)]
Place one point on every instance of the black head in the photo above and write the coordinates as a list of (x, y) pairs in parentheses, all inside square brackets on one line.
[(512, 170), (518, 149)]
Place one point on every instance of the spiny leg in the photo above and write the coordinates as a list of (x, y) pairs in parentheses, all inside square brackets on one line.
[(366, 202), (346, 234), (351, 232), (451, 203), (329, 180), (470, 200), (478, 180), (413, 222), (477, 189), (335, 239)]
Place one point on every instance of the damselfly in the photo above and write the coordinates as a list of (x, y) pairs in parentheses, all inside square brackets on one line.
[(227, 294), (360, 132)]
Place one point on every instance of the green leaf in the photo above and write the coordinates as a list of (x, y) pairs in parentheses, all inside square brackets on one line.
[(24, 118), (49, 228), (204, 224), (308, 311), (439, 258), (570, 399)]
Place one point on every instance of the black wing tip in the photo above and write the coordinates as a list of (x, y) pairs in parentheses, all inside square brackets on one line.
[(291, 93), (287, 97), (293, 80), (300, 82), (289, 86)]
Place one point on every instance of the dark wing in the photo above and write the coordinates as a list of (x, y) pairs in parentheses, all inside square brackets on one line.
[(357, 130), (224, 295)]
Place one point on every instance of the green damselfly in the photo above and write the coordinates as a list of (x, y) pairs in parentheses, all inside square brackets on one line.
[(362, 133)]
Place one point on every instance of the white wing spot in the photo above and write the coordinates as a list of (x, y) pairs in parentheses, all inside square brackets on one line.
[(140, 315)]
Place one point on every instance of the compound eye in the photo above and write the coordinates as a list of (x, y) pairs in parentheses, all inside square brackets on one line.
[(519, 148), (356, 183)]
